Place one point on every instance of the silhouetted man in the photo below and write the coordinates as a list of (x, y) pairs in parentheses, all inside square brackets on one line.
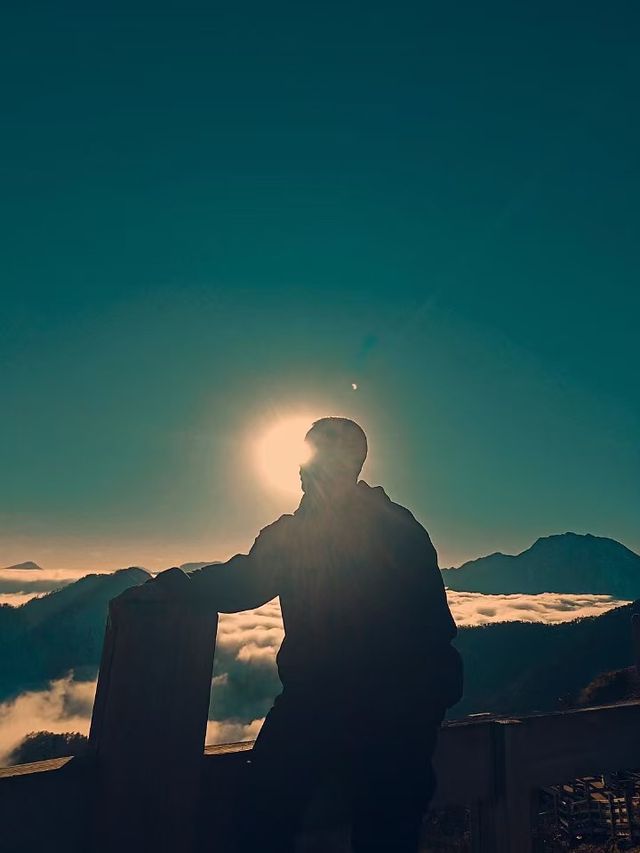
[(366, 664)]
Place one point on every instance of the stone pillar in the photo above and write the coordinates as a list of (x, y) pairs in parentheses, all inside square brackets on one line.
[(504, 822), (149, 723)]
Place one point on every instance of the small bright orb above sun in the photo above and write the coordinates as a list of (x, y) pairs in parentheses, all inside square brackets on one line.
[(281, 450)]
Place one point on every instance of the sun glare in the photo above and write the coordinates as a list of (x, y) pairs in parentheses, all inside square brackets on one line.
[(281, 450)]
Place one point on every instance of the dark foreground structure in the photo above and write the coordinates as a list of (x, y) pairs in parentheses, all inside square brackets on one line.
[(149, 784), (603, 808)]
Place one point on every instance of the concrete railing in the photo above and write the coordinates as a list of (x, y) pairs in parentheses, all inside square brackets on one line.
[(494, 767), (149, 784)]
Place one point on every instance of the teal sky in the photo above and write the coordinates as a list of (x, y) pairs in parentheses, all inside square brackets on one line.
[(216, 214)]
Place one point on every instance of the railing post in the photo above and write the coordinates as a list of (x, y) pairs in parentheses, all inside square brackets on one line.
[(149, 723), (483, 828), (503, 824), (487, 814), (517, 787)]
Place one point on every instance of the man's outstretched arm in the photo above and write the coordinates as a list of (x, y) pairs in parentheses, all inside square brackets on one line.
[(246, 581)]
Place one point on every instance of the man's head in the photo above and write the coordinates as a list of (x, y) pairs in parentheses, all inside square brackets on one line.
[(338, 450)]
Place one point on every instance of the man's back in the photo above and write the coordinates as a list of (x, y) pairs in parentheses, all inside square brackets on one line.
[(362, 600), (367, 668)]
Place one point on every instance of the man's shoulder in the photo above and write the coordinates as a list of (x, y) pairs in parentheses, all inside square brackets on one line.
[(280, 527), (392, 517), (379, 502)]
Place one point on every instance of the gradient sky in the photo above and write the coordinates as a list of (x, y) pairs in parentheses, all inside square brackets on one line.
[(217, 214)]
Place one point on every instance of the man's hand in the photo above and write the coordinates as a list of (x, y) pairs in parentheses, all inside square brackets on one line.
[(170, 585)]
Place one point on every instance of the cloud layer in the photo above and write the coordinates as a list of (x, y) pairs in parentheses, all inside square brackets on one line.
[(472, 608), (15, 599), (64, 707), (245, 676)]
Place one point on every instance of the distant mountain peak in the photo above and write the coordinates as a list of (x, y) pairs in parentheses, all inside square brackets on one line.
[(562, 563), (568, 536), (578, 540), (28, 565)]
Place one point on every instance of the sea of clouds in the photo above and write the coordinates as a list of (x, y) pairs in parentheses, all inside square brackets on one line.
[(245, 677)]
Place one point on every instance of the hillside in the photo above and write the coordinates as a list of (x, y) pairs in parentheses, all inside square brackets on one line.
[(621, 685), (564, 563), (47, 636), (522, 667)]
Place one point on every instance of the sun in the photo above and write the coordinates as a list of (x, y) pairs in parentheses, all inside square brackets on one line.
[(281, 450)]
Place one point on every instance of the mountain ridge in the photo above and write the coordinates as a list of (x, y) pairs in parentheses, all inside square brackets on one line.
[(569, 562)]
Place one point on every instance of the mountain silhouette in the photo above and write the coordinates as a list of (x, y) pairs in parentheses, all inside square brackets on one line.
[(563, 563), (64, 630), (28, 565)]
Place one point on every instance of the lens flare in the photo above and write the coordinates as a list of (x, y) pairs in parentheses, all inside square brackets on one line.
[(281, 450)]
